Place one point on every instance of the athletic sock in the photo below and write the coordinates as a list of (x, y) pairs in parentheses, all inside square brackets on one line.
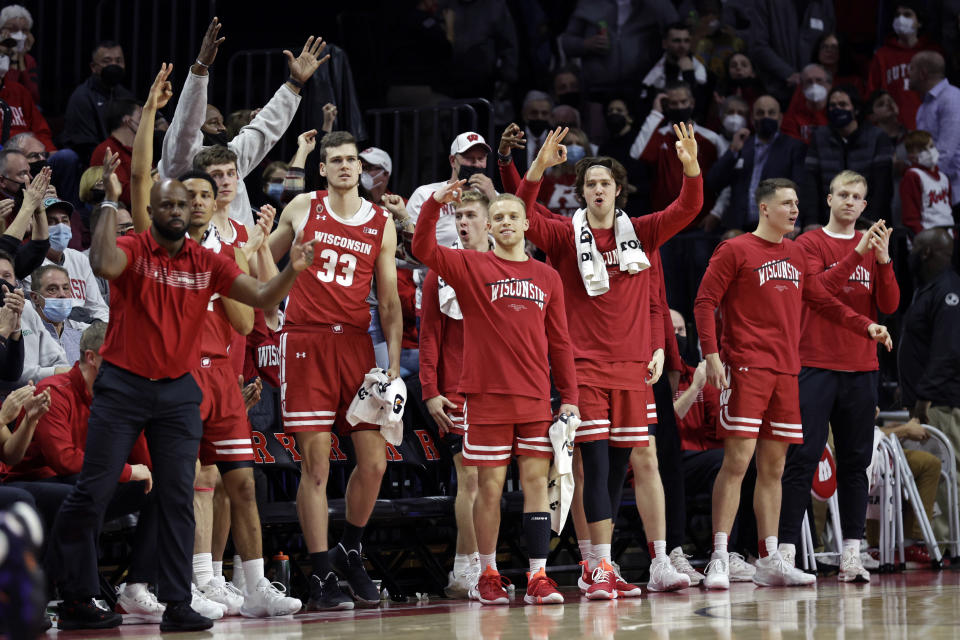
[(720, 542), (659, 549), (351, 536), (461, 562), (218, 568), (768, 546), (536, 564), (601, 552), (237, 576), (202, 568), (586, 551), (475, 560), (252, 572), (851, 545), (320, 563), (488, 561), (536, 529)]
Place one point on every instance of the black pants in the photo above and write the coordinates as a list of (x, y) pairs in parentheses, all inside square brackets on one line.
[(125, 404), (847, 401), (669, 460)]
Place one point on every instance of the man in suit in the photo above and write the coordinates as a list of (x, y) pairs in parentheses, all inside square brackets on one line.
[(752, 158)]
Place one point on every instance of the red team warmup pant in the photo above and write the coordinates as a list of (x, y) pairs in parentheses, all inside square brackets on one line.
[(226, 428), (321, 368), (760, 403)]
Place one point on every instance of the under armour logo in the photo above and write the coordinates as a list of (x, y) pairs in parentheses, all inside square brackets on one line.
[(337, 328), (301, 354), (321, 217)]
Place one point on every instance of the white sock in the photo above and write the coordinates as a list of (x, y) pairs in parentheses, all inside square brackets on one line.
[(536, 564), (475, 560), (252, 573), (660, 548), (218, 568), (770, 542), (852, 545), (202, 568), (488, 561), (720, 542), (133, 589), (461, 562), (586, 551), (601, 552)]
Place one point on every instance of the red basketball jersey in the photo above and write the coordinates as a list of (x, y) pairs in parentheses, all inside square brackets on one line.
[(217, 330), (335, 289), (238, 342), (240, 235)]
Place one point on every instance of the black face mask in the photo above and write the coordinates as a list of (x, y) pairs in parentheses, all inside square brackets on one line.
[(466, 171), (37, 167), (677, 116), (170, 234), (571, 99), (215, 139), (97, 195), (11, 286), (616, 122), (537, 126), (112, 75), (766, 127), (839, 118)]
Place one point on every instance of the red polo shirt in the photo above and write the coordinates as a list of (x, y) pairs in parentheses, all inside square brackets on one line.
[(157, 305)]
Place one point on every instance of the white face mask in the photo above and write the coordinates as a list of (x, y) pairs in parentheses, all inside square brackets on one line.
[(734, 122), (815, 93), (928, 158), (21, 39), (904, 26)]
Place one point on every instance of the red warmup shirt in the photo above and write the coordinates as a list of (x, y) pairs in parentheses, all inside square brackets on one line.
[(407, 290), (262, 352), (123, 171), (158, 303), (869, 287), (59, 441), (513, 318), (669, 179), (761, 288), (622, 324), (238, 343), (698, 428), (889, 70), (25, 116), (799, 121), (335, 287), (441, 343)]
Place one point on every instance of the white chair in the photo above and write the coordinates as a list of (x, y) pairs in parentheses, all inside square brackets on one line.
[(909, 489), (939, 445), (823, 489)]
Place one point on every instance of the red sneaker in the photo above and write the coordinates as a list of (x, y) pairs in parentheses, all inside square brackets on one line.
[(490, 588), (604, 583), (917, 557), (541, 589), (586, 577)]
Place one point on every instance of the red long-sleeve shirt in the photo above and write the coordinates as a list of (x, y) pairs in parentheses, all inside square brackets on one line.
[(25, 116), (58, 443), (407, 289), (441, 343), (870, 287), (513, 318), (761, 288), (889, 70)]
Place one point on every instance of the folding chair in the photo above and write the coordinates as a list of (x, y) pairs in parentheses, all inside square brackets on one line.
[(909, 488), (823, 489), (939, 445)]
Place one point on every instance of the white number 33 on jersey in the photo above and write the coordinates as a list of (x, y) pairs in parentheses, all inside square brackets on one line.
[(330, 260)]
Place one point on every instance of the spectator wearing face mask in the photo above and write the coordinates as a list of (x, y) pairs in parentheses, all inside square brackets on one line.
[(272, 183), (889, 69), (16, 23), (807, 110), (123, 120), (845, 143), (50, 292), (939, 113), (677, 64), (64, 163), (740, 80), (536, 110), (924, 191), (831, 54), (25, 115), (621, 132), (558, 190)]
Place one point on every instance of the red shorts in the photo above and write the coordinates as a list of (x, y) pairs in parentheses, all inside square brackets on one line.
[(618, 415), (226, 429), (760, 403), (491, 445), (456, 415), (320, 372)]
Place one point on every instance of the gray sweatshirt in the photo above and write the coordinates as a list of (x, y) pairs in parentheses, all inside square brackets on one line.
[(41, 352)]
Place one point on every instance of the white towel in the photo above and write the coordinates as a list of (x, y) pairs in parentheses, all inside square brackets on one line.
[(593, 267), (561, 483), (381, 401)]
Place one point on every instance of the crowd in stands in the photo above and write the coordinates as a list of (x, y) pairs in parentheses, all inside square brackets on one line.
[(773, 89)]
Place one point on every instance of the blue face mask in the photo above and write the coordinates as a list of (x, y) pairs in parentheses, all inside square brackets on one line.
[(275, 190), (575, 153), (60, 236), (57, 309)]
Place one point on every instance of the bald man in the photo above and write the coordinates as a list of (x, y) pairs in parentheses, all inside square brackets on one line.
[(939, 114)]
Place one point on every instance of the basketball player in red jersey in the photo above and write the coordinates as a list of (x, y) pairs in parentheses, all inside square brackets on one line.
[(513, 318), (325, 352), (612, 334), (760, 282)]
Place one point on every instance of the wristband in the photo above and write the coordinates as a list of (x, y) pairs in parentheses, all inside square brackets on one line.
[(110, 203), (502, 158), (294, 82), (205, 66)]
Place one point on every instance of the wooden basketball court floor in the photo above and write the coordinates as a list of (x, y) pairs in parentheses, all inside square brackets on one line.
[(913, 604)]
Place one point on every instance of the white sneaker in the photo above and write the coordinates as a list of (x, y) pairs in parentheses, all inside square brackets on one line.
[(868, 561), (217, 591), (789, 553), (138, 606), (682, 564), (717, 575), (664, 577), (204, 606), (852, 569), (459, 584), (268, 600), (740, 569), (775, 571)]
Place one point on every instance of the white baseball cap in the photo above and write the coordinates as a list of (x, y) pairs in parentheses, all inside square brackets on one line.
[(378, 158), (467, 140)]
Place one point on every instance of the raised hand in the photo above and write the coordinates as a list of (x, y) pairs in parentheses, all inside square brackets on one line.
[(111, 183), (307, 141), (11, 310), (329, 116), (36, 406), (161, 90), (34, 194), (14, 402), (881, 246), (552, 153), (449, 192), (211, 43), (301, 253), (303, 66), (512, 138), (687, 149), (870, 238), (394, 204), (879, 333)]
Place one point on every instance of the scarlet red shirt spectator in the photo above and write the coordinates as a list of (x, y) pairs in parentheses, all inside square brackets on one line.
[(122, 171)]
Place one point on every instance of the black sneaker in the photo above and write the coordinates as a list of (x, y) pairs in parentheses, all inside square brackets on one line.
[(23, 593), (349, 564), (325, 595), (179, 616), (86, 614)]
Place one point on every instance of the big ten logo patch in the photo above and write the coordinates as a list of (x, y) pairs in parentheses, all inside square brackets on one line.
[(429, 447)]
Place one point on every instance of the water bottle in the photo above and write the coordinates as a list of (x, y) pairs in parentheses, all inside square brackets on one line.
[(280, 570)]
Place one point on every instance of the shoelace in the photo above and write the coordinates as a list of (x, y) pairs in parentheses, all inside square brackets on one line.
[(602, 575), (498, 580), (681, 563), (277, 589), (545, 580), (234, 589), (718, 564), (736, 560), (657, 569)]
